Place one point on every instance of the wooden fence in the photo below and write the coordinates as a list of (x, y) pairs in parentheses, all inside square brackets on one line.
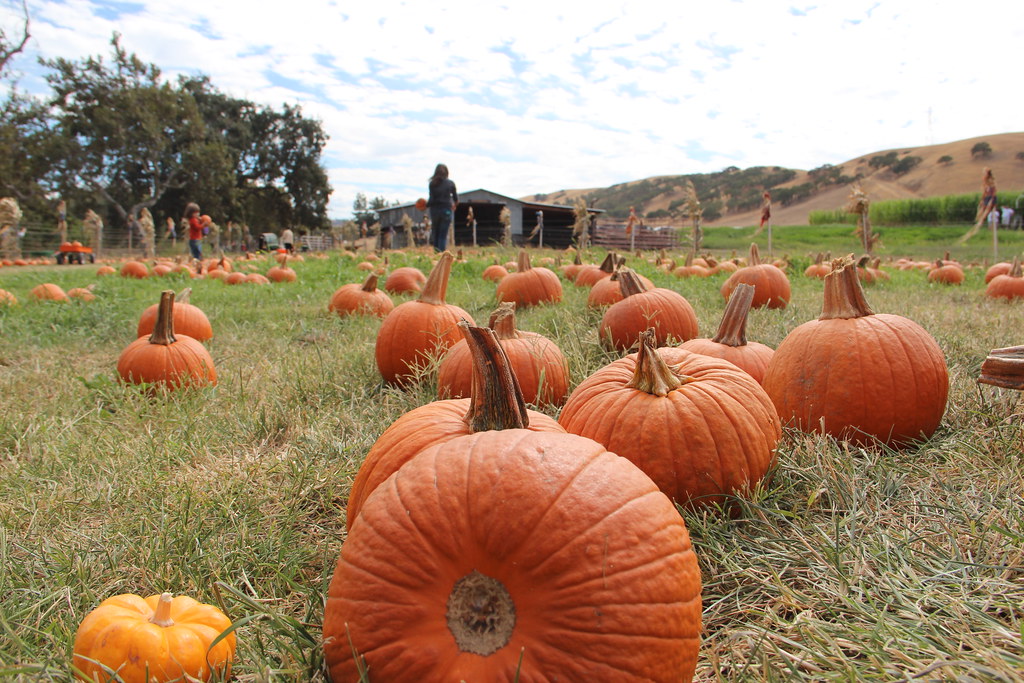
[(613, 236)]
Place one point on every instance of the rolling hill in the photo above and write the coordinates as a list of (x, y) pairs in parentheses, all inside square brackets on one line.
[(733, 196)]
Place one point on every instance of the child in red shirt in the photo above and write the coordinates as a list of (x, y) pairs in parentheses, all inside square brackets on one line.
[(195, 230)]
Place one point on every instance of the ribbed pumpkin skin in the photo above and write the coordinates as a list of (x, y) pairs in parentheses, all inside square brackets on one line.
[(413, 332), (188, 320), (946, 275), (878, 377), (589, 275), (770, 284), (134, 269), (535, 359), (405, 280), (281, 274), (530, 287), (186, 362), (998, 269), (708, 438), (414, 432), (606, 291), (48, 292), (668, 312), (494, 273), (118, 634), (352, 299), (596, 561), (1005, 287), (752, 357)]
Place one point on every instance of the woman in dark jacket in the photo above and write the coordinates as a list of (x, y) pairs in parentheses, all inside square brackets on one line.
[(443, 200)]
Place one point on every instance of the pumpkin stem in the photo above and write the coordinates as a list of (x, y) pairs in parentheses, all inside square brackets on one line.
[(183, 295), (755, 255), (688, 262), (503, 321), (370, 283), (733, 328), (630, 283), (497, 401), (844, 296), (652, 374), (608, 265), (162, 615), (523, 262), (437, 282), (1015, 269), (577, 261), (163, 329)]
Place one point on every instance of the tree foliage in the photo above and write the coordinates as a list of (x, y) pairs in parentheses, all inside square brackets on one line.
[(115, 136), (981, 149)]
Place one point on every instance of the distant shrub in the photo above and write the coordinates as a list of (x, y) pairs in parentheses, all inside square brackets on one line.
[(884, 160), (981, 149), (946, 159), (1020, 156), (905, 164)]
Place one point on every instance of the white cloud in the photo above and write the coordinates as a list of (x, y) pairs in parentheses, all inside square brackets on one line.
[(538, 96)]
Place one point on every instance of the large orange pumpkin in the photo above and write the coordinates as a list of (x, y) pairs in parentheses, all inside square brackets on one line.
[(48, 292), (771, 286), (152, 640), (538, 363), (730, 343), (946, 273), (588, 276), (417, 331), (281, 273), (360, 299), (134, 269), (700, 427), (857, 375), (166, 359), (494, 273), (529, 286), (496, 403), (607, 291), (668, 312), (515, 555), (1009, 286), (1001, 268), (405, 280), (188, 319)]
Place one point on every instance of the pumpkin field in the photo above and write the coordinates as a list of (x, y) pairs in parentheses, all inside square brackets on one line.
[(859, 555)]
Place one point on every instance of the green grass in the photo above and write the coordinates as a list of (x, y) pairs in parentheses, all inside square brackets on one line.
[(850, 565), (910, 241)]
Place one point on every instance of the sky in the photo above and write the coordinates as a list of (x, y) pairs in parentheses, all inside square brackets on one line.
[(534, 97)]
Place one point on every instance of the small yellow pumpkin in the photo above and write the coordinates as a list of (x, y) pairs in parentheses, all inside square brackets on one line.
[(151, 640)]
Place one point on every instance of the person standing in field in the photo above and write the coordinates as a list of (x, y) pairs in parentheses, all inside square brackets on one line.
[(288, 240), (441, 205), (195, 230)]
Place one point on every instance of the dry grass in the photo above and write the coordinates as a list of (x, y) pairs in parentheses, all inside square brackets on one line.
[(850, 565)]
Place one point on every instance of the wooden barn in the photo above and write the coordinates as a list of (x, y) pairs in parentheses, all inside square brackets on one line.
[(487, 206)]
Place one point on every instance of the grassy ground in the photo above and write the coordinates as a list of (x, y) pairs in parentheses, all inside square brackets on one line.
[(851, 565)]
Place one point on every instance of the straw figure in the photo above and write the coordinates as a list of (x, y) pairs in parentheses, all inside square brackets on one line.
[(10, 215), (986, 205), (581, 226), (93, 226), (695, 212), (860, 204), (148, 229), (505, 218)]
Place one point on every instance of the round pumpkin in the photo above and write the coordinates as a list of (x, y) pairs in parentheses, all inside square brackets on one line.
[(515, 555), (691, 269), (1001, 268), (529, 286), (667, 312), (588, 276), (234, 278), (188, 319), (152, 640), (730, 343), (257, 279), (946, 273), (700, 427), (83, 293), (819, 269), (405, 280), (494, 273), (166, 359), (105, 270), (417, 331), (857, 375), (134, 269), (771, 286), (281, 274), (607, 291), (7, 299), (496, 403), (48, 292), (538, 363), (361, 299), (1009, 286)]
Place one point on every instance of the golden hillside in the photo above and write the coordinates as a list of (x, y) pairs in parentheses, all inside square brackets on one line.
[(927, 179)]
